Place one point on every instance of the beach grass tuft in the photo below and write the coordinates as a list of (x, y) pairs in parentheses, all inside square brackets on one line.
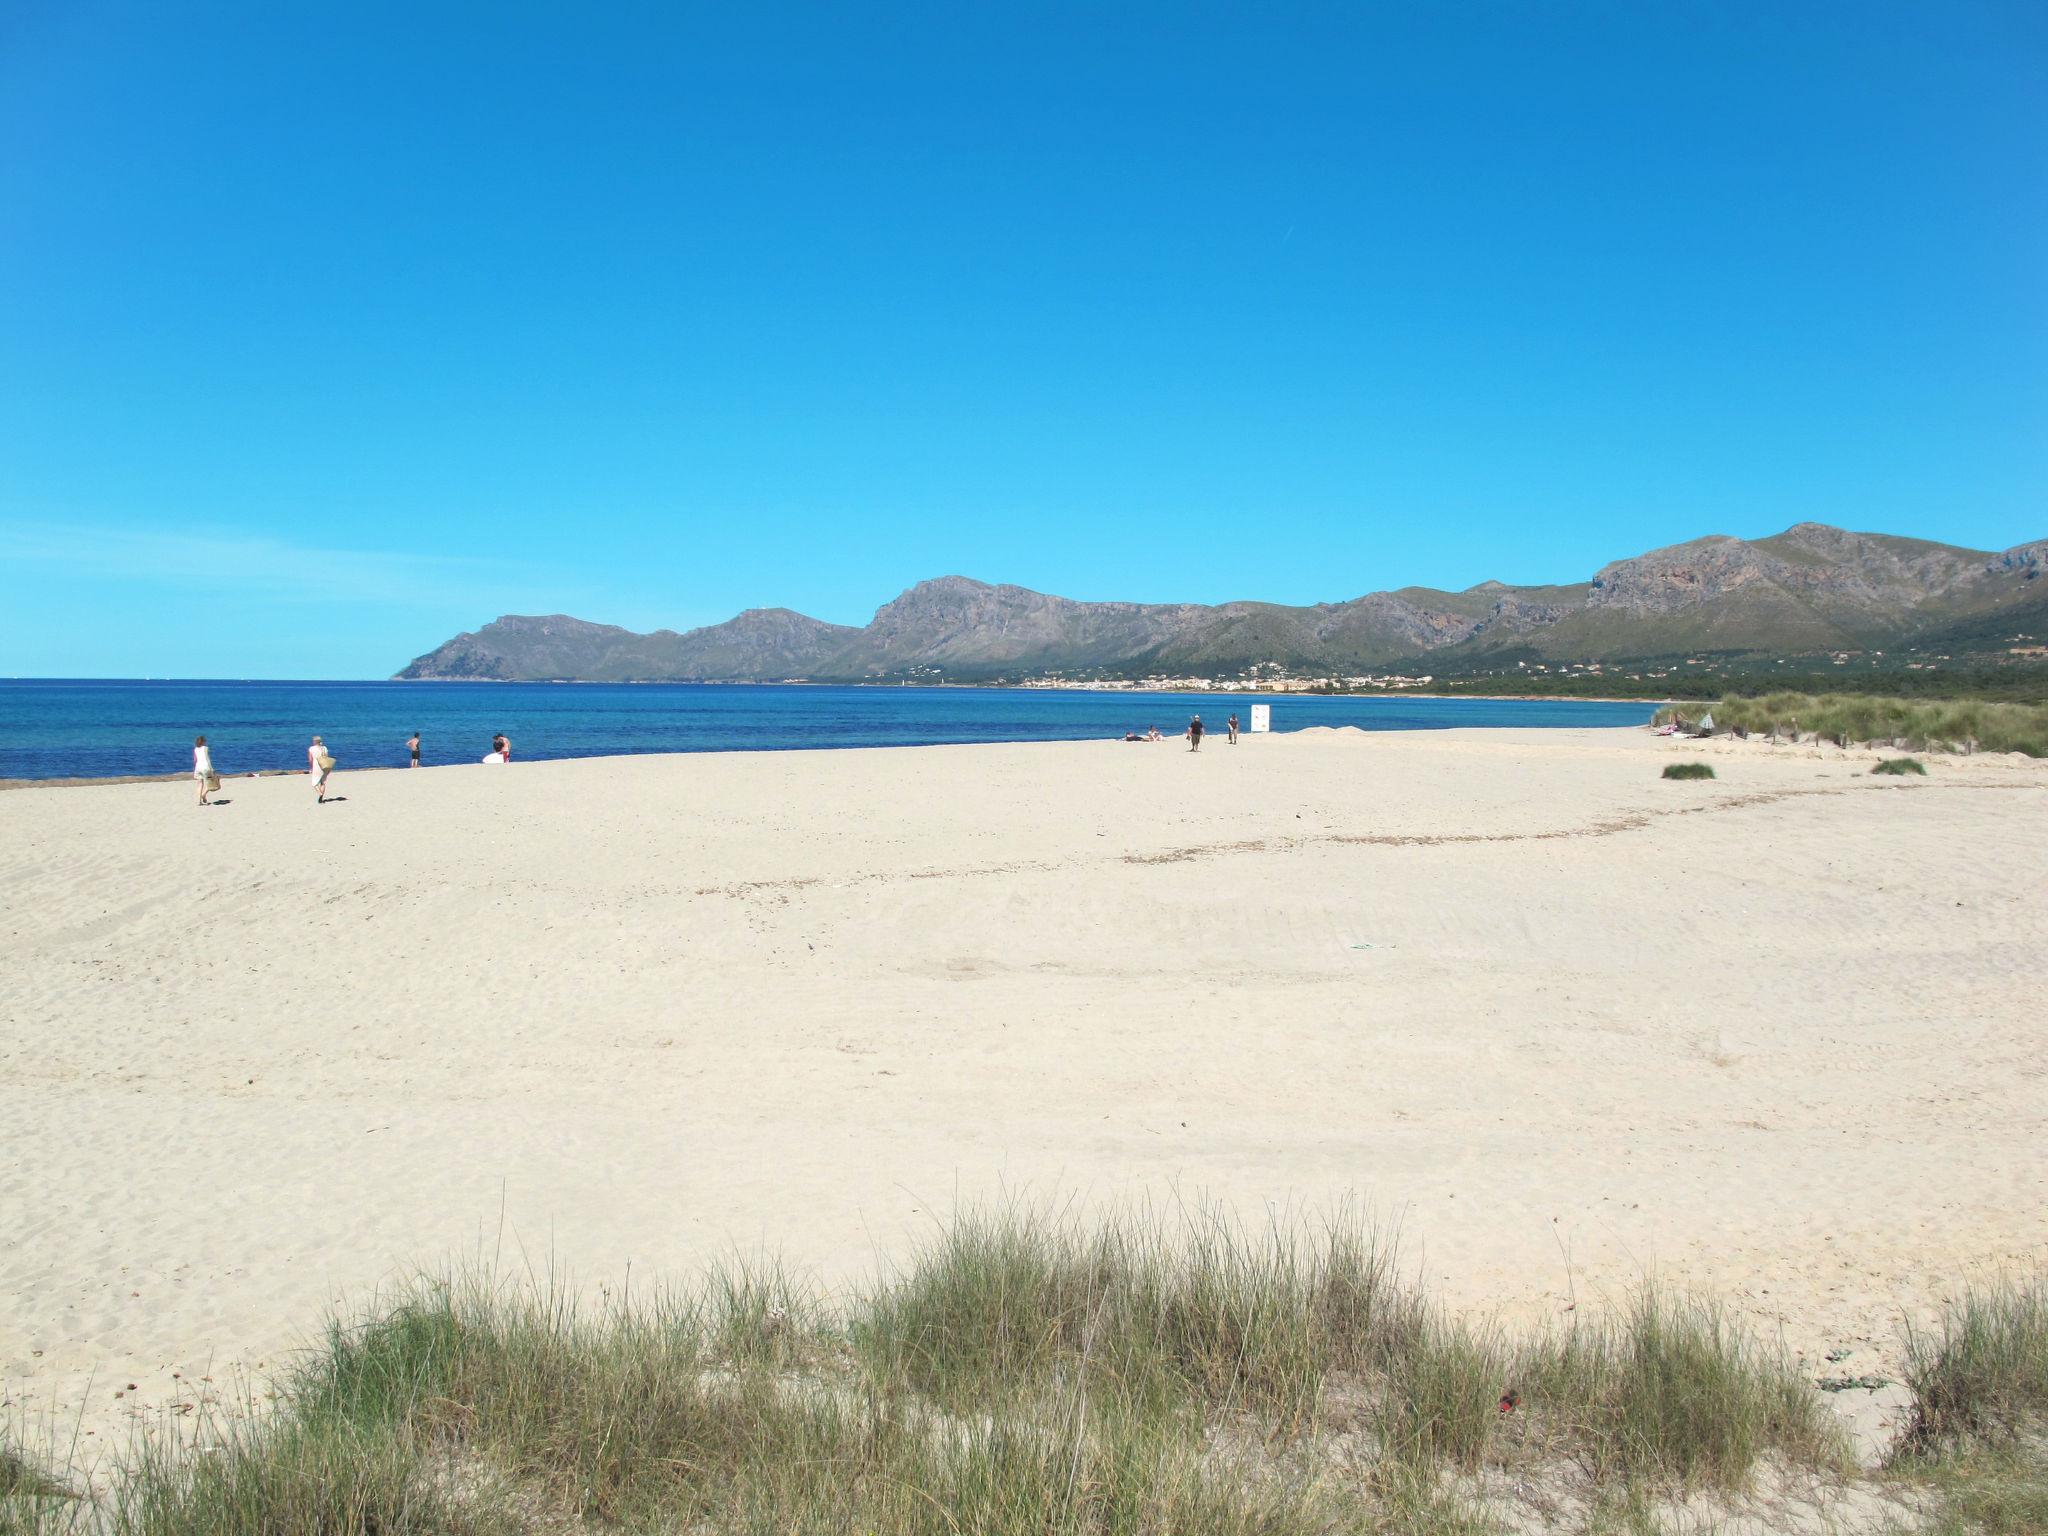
[(1671, 1390), (22, 1478), (1191, 1318), (311, 1472), (1980, 1378), (1688, 770), (1980, 1493), (1901, 765), (32, 1500)]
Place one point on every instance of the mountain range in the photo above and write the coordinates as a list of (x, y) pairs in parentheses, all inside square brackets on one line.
[(1809, 590)]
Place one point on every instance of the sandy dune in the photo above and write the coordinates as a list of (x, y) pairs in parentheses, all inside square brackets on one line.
[(1781, 1035)]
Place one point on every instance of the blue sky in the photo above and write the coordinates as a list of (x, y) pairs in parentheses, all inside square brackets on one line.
[(328, 331)]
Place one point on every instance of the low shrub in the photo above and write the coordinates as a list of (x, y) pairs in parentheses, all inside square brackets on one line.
[(1901, 765), (1688, 770)]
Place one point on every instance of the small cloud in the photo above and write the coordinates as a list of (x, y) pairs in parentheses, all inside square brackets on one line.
[(266, 567)]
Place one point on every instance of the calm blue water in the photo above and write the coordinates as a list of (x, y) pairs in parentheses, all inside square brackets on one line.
[(53, 729)]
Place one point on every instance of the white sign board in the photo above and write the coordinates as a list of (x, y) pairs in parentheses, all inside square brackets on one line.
[(1262, 718)]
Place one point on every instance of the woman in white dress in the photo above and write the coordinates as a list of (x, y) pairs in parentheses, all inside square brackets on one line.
[(202, 766), (319, 764)]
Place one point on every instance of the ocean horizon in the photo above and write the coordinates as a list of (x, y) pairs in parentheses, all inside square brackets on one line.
[(119, 727)]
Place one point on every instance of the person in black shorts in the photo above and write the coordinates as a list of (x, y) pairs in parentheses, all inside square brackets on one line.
[(412, 745), (1195, 734)]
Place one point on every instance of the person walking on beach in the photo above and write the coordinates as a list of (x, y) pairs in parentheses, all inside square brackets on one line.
[(1195, 734), (202, 768), (1233, 730), (412, 745), (319, 763)]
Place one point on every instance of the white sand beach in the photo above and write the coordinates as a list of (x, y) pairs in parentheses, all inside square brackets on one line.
[(1779, 1035)]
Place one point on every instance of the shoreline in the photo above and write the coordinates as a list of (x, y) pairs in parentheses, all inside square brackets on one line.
[(73, 781), (1723, 742)]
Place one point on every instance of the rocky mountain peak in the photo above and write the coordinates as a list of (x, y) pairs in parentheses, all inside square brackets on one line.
[(1811, 588)]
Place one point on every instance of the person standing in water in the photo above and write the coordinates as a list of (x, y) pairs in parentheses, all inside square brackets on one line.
[(202, 767), (412, 745), (1233, 730), (1195, 734), (319, 763)]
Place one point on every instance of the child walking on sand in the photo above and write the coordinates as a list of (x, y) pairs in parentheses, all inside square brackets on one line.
[(202, 768)]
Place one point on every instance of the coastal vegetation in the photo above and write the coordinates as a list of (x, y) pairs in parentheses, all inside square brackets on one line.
[(1901, 767), (1981, 1375), (2013, 682), (1977, 1440), (1936, 725), (1027, 1373), (1689, 771), (22, 1479)]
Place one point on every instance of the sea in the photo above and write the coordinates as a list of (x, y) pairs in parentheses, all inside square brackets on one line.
[(55, 729)]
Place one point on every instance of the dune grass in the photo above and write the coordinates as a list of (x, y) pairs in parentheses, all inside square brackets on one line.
[(1025, 1372), (466, 1408), (1032, 1373), (22, 1478), (1982, 1494), (1672, 1390), (1977, 1441), (1981, 1377), (1688, 770), (312, 1472), (33, 1501), (1961, 725), (1901, 766), (1204, 1318)]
